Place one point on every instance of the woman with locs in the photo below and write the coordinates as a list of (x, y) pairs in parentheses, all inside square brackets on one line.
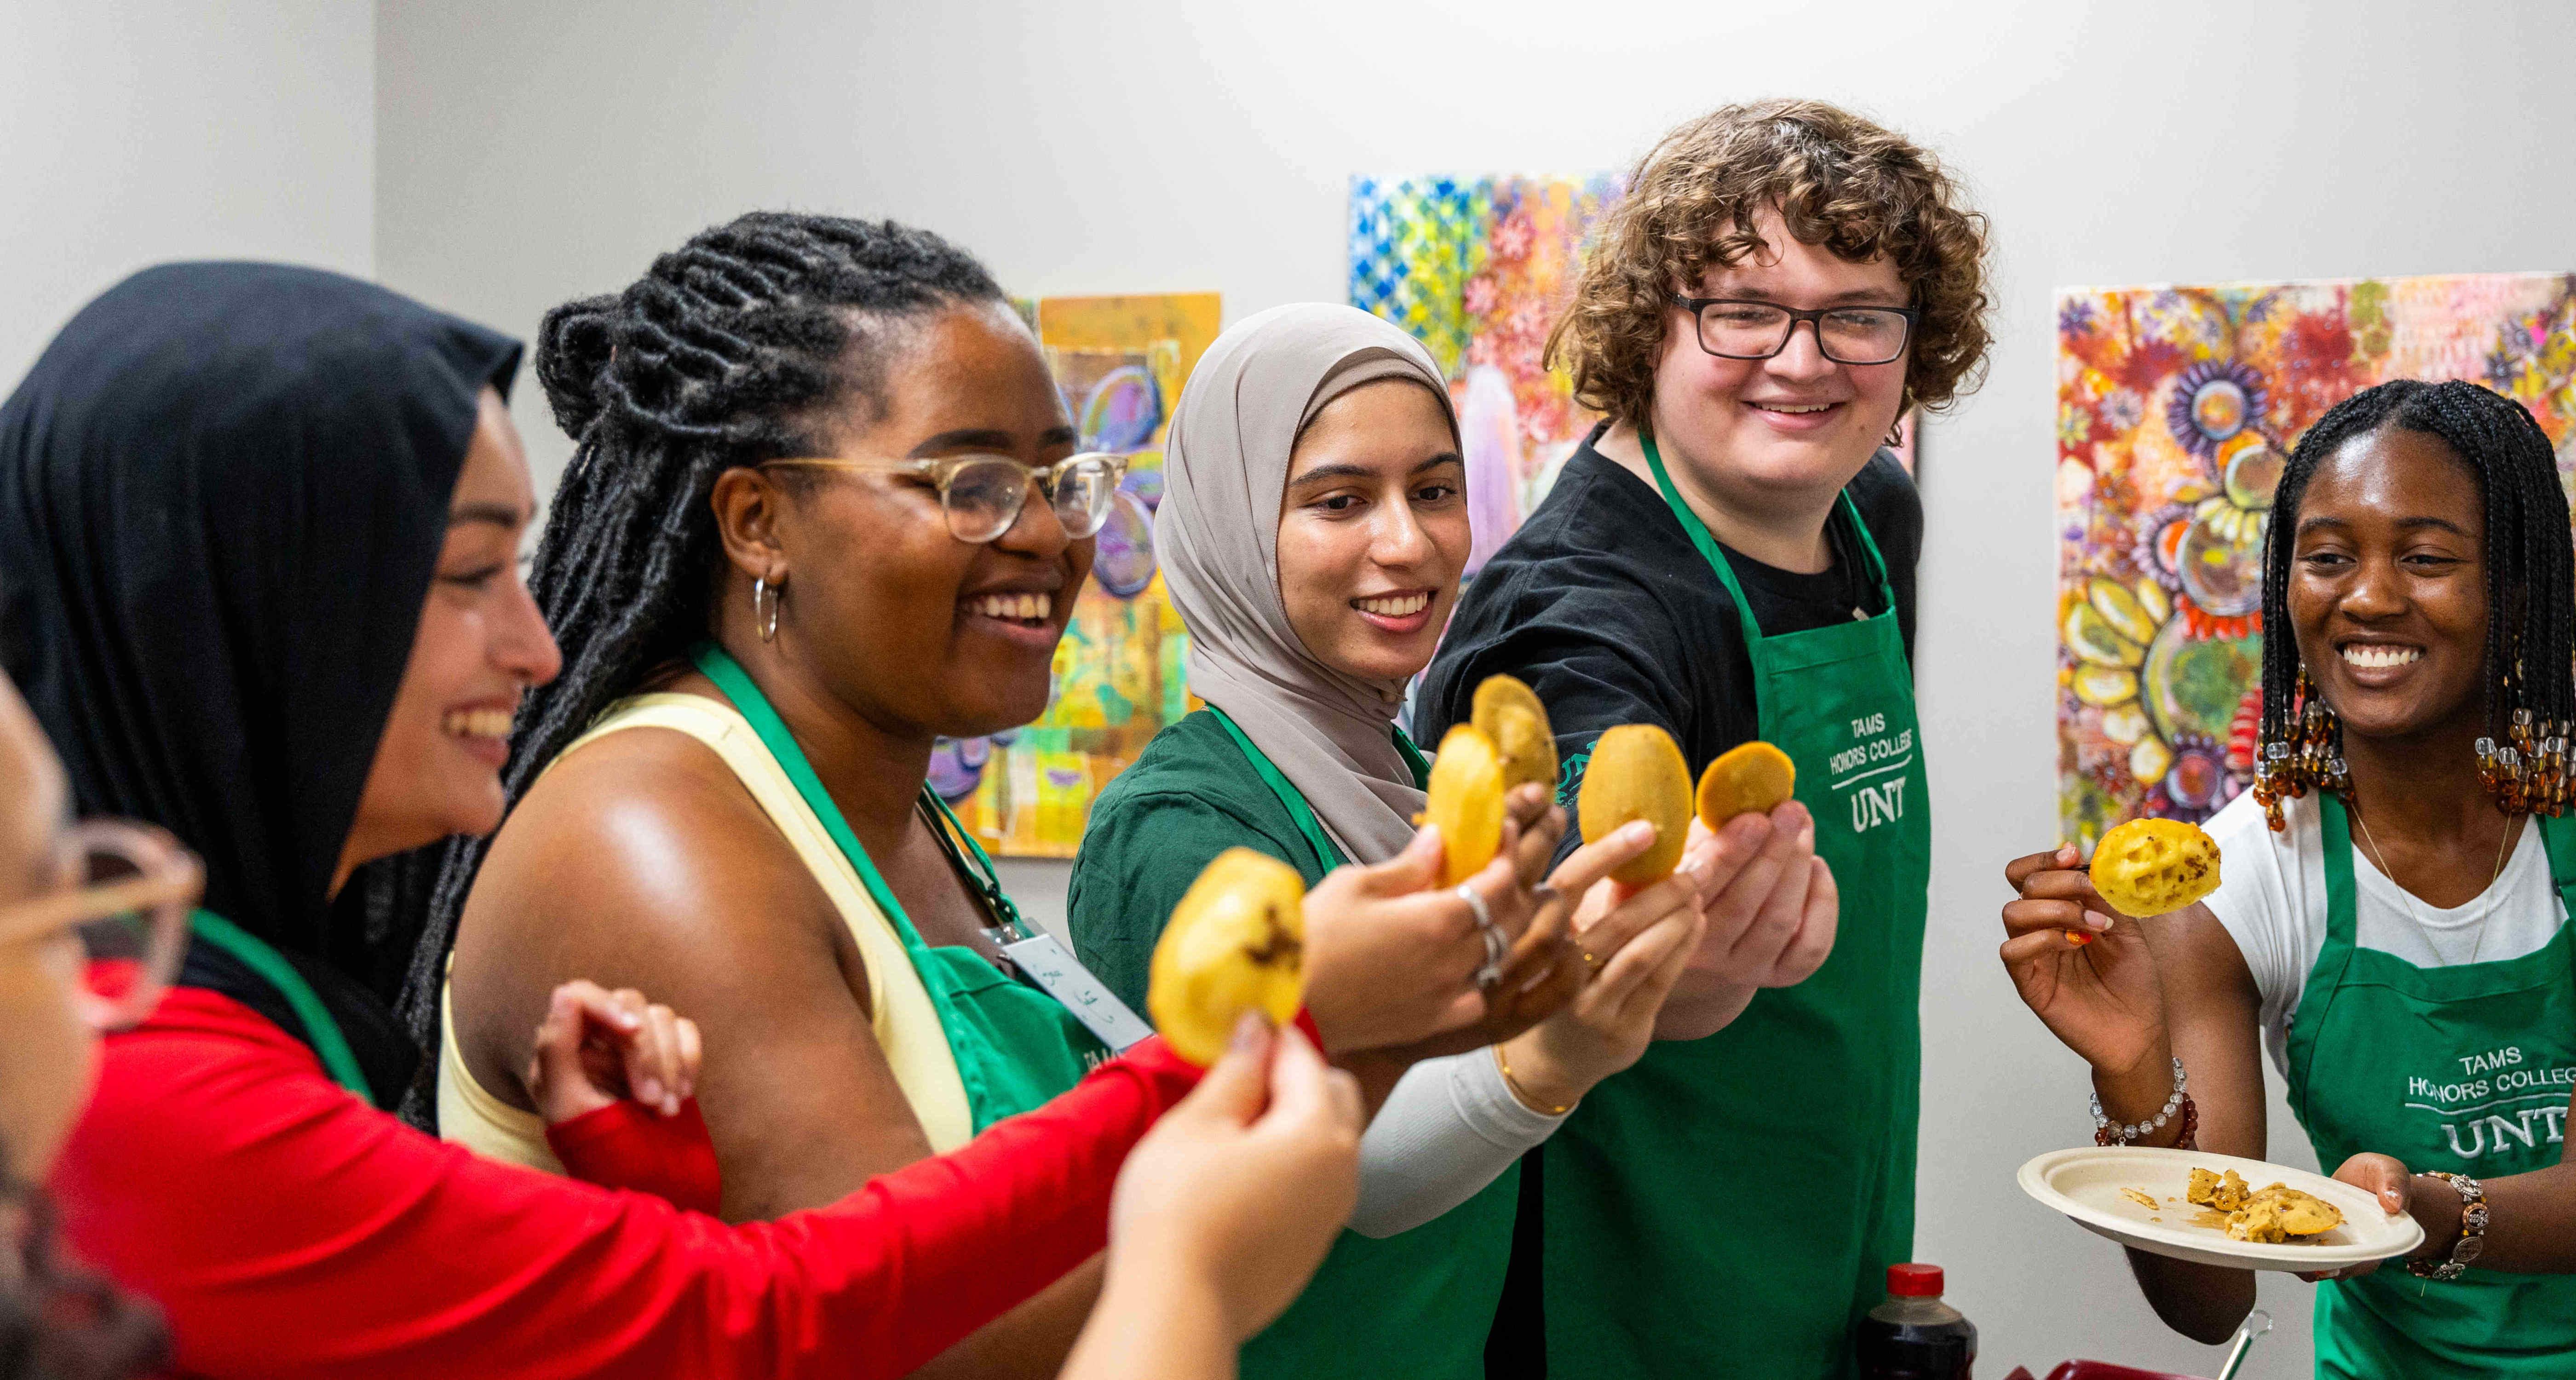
[(2391, 928), (826, 508), (257, 530)]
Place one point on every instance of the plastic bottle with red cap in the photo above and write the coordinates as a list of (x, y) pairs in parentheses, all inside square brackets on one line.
[(1914, 1335)]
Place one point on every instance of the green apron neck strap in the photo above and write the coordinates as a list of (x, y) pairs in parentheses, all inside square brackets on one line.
[(2335, 824), (320, 1029), (1327, 857), (737, 685), (2558, 836), (1413, 758), (1711, 552)]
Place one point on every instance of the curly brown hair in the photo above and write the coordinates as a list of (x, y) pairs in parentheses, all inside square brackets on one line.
[(1838, 180)]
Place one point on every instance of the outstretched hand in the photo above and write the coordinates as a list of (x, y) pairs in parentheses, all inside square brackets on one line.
[(1393, 955), (2083, 968)]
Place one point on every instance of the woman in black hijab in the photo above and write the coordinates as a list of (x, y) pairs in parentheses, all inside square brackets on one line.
[(257, 577), (227, 489)]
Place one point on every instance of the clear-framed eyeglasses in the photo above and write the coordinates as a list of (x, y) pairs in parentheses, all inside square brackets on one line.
[(126, 895), (1733, 328), (983, 494)]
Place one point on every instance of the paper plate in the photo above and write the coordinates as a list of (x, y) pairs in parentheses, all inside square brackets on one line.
[(2086, 1184)]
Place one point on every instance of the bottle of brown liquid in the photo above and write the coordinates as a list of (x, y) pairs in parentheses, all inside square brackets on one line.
[(1914, 1335)]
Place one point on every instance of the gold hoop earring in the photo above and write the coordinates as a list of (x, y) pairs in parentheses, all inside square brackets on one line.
[(766, 619)]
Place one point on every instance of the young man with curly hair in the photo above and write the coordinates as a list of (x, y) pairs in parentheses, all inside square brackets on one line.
[(1730, 555)]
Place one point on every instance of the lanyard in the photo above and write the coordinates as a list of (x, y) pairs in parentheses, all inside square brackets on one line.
[(1716, 557), (974, 865)]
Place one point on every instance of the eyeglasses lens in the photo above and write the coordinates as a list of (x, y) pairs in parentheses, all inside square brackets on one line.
[(1751, 330), (1083, 491), (984, 498), (127, 958)]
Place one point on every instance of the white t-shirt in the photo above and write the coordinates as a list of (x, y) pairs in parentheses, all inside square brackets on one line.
[(2272, 899)]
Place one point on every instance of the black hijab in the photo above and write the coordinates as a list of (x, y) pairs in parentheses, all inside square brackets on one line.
[(223, 489)]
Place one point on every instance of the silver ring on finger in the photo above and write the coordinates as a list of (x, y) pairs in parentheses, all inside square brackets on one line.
[(1497, 948)]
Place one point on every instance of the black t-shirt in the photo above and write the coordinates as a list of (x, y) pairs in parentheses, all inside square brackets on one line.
[(1602, 604)]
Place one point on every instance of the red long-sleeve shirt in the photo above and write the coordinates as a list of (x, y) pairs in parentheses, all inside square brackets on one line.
[(629, 1145), (291, 1230)]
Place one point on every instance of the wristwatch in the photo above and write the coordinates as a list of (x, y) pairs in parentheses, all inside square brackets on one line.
[(2473, 1230)]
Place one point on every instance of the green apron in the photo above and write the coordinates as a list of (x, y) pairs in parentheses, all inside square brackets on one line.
[(2464, 1069), (1015, 1046), (1417, 1304), (1652, 1264)]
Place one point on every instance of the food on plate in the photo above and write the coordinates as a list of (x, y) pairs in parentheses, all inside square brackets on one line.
[(1749, 778), (2151, 866), (1637, 773), (2140, 1197), (1509, 714), (2212, 1190), (1236, 943), (1465, 798), (2269, 1215)]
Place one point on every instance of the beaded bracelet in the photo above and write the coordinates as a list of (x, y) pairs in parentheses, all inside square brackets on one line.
[(2473, 1230), (2108, 1132)]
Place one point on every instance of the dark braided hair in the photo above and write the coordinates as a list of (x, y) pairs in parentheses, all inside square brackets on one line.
[(727, 353), (2531, 603)]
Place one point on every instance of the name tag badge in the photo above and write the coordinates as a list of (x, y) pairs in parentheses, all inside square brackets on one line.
[(1060, 975)]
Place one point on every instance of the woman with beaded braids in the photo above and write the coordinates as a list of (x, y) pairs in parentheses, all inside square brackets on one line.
[(2392, 924), (826, 508)]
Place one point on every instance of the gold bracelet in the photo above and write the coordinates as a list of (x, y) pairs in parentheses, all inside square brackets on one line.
[(1521, 1094)]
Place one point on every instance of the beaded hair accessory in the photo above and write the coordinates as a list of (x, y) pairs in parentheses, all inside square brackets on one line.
[(2311, 760), (2526, 775)]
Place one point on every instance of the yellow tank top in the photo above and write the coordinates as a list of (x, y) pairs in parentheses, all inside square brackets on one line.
[(906, 1024)]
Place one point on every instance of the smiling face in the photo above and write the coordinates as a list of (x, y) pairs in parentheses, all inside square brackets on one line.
[(480, 642), (920, 632), (1373, 530), (2388, 586), (1756, 433)]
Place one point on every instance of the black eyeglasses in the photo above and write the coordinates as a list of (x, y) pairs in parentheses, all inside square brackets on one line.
[(1732, 328)]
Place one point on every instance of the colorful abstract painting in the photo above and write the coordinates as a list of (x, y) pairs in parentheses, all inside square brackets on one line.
[(1120, 672), (2176, 408), (1479, 269)]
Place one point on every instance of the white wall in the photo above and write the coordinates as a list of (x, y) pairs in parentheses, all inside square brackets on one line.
[(529, 152), (137, 131)]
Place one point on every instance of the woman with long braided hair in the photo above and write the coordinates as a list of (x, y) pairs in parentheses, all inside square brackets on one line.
[(826, 508), (2392, 923)]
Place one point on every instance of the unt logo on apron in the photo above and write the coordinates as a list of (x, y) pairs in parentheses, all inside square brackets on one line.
[(2497, 1101), (1871, 772)]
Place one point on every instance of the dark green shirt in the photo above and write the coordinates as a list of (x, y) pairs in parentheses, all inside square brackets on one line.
[(1189, 797), (1417, 1304)]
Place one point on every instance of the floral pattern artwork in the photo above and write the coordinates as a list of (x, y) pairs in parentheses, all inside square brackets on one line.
[(1479, 269), (2176, 410), (1121, 670)]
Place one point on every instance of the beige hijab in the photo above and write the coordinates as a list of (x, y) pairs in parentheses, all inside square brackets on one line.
[(1225, 469)]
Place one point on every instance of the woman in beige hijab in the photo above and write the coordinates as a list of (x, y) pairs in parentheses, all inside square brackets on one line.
[(1312, 534)]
